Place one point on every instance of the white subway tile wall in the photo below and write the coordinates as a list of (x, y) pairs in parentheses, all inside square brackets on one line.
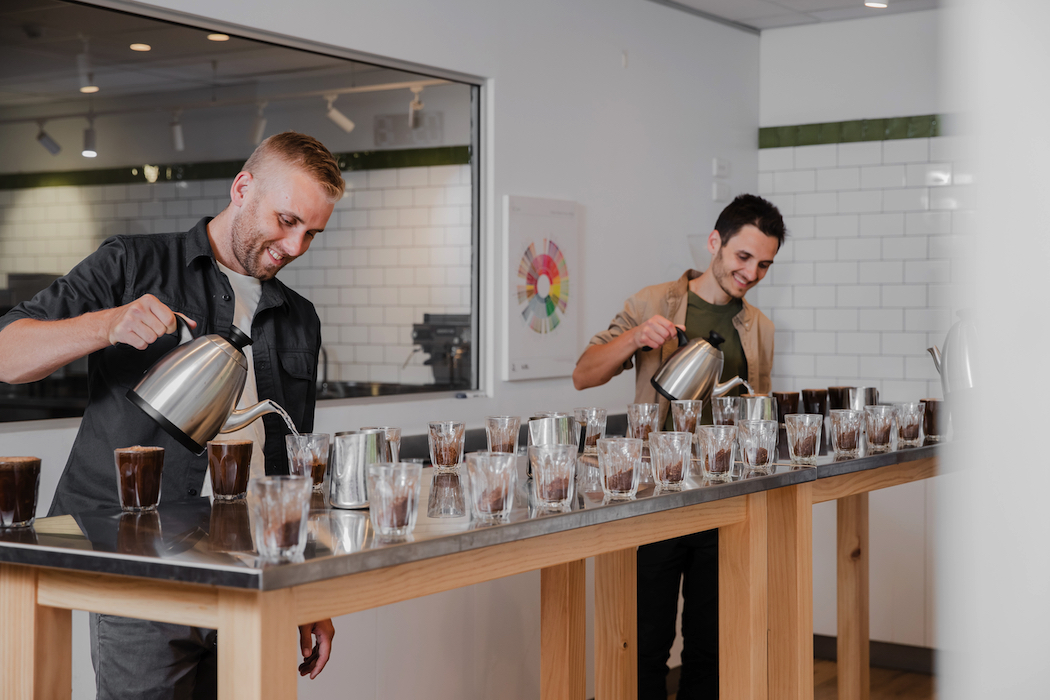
[(865, 282), (398, 245)]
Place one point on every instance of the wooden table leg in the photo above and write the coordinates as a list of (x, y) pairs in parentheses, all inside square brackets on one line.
[(616, 625), (854, 673), (35, 641), (742, 606), (258, 645), (563, 642), (790, 539)]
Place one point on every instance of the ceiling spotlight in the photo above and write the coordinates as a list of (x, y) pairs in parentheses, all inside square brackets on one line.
[(87, 78), (340, 119), (415, 107), (258, 126), (89, 140), (177, 140), (45, 140), (878, 4), (140, 47), (218, 37)]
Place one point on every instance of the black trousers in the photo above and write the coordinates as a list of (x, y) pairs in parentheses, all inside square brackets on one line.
[(692, 563)]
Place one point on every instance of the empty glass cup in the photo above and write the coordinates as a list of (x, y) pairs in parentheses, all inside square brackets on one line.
[(446, 445), (720, 444), (502, 433), (620, 466), (672, 453), (393, 494), (909, 423), (803, 436), (281, 506), (491, 479), (308, 456), (845, 432), (724, 409), (392, 452), (553, 473), (642, 419), (881, 424), (686, 415), (758, 444), (593, 422)]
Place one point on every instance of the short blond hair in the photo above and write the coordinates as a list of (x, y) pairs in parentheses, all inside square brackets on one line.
[(304, 152)]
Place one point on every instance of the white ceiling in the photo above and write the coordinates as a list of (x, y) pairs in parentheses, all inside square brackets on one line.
[(769, 14)]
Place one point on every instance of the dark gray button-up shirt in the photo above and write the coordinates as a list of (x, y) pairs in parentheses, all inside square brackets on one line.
[(180, 270)]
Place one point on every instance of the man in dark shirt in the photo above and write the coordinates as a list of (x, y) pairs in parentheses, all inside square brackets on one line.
[(118, 307)]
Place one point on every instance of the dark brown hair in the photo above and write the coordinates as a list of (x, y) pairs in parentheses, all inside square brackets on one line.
[(750, 209)]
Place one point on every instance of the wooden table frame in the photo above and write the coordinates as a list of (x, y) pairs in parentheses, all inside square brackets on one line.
[(790, 536), (35, 606)]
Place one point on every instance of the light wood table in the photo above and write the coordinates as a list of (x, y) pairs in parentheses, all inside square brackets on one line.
[(99, 563), (790, 517)]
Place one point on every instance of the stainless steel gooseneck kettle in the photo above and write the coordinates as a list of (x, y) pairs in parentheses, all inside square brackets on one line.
[(692, 372), (191, 391)]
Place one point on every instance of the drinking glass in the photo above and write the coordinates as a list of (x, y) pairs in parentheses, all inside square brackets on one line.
[(720, 444), (308, 456), (845, 432), (19, 486), (553, 473), (881, 423), (501, 432), (281, 506), (491, 480), (815, 401), (139, 471), (839, 397), (803, 436), (446, 445), (724, 409), (935, 420), (229, 462), (392, 452), (787, 402), (757, 408), (758, 444), (909, 423), (671, 453), (593, 421), (642, 419), (686, 415), (393, 495), (620, 465)]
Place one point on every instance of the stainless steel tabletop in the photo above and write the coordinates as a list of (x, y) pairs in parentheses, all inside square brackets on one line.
[(195, 542)]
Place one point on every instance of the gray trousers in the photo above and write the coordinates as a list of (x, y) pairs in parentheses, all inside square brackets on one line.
[(145, 660)]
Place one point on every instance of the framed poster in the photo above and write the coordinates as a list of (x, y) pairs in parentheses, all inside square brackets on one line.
[(541, 260)]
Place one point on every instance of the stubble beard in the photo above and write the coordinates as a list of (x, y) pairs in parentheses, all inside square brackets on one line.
[(247, 244), (723, 278)]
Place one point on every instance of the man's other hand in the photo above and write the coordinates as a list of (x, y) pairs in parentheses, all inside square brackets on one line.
[(654, 332), (141, 322), (315, 659)]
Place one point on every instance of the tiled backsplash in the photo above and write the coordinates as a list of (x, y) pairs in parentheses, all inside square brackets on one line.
[(397, 246), (864, 283)]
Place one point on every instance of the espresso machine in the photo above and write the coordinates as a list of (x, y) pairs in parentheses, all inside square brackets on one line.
[(446, 338)]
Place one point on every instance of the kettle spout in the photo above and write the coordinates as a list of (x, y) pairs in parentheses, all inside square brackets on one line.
[(721, 389), (935, 353), (245, 416)]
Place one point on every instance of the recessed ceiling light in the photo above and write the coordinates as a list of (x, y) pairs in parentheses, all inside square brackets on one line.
[(876, 4), (140, 47), (88, 89), (218, 37)]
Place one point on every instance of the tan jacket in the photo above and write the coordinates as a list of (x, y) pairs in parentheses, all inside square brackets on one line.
[(669, 300)]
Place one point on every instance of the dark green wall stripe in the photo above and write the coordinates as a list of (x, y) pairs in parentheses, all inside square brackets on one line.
[(847, 132), (356, 160)]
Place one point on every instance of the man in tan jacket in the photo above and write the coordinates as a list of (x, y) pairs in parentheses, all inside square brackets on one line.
[(747, 236)]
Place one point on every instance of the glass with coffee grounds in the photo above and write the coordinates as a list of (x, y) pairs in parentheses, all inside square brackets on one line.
[(720, 443), (308, 456), (501, 432), (553, 474), (19, 486), (229, 462), (592, 421), (803, 436), (909, 423), (881, 424), (758, 444), (846, 432), (393, 493), (139, 471), (492, 478), (620, 466), (281, 507), (446, 444), (672, 454)]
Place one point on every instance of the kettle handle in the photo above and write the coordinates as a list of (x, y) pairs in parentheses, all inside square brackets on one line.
[(682, 340), (182, 329)]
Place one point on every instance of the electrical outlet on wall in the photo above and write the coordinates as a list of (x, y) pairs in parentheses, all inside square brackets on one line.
[(719, 168), (720, 191)]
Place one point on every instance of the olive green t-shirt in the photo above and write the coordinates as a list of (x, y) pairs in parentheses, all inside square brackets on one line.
[(700, 319)]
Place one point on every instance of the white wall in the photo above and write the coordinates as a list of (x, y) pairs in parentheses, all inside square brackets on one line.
[(857, 69), (565, 119), (865, 282)]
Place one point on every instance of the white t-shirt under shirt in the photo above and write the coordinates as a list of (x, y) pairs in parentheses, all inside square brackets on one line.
[(247, 291)]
